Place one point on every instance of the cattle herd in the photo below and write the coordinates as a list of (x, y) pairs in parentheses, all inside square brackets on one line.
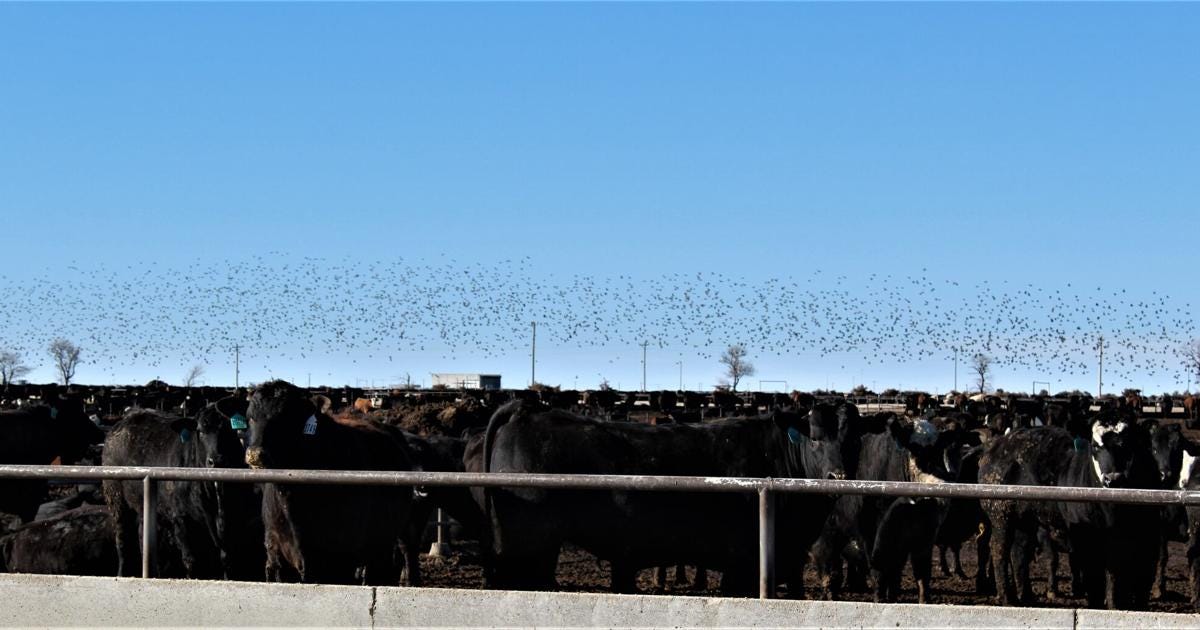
[(1111, 555)]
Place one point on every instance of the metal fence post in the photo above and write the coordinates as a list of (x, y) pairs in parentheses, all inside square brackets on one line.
[(438, 549), (766, 544), (149, 525)]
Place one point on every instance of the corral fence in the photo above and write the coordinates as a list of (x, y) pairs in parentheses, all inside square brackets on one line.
[(765, 488)]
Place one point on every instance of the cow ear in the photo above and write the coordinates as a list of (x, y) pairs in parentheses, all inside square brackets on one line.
[(793, 425), (232, 405), (875, 423), (179, 425), (901, 430)]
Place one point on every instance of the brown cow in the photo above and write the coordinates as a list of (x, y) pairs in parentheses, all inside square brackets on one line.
[(363, 405), (1191, 411)]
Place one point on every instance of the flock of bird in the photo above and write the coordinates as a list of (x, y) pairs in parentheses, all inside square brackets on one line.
[(287, 310)]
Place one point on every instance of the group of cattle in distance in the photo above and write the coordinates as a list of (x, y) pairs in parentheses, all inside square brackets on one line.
[(371, 535)]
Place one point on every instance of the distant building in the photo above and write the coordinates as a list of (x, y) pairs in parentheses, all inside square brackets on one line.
[(467, 381)]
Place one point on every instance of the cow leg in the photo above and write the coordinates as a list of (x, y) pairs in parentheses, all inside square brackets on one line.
[(1002, 539), (958, 567), (943, 566), (922, 568), (1092, 578), (1193, 557), (700, 580), (624, 577), (985, 578), (828, 562), (1160, 572), (1052, 589), (660, 579), (125, 527), (681, 575), (1022, 557), (856, 565)]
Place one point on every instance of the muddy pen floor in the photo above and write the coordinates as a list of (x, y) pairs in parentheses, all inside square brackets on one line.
[(579, 571)]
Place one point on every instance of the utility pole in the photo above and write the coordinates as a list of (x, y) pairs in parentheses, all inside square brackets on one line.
[(644, 344), (955, 370), (237, 364), (533, 357), (680, 364), (1100, 384)]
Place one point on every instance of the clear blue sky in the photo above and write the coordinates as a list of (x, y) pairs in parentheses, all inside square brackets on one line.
[(1033, 144)]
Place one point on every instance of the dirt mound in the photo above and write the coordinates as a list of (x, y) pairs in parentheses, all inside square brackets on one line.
[(438, 418)]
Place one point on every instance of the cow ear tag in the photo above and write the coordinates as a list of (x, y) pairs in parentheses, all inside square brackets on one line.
[(310, 427), (237, 422), (53, 412), (1080, 445), (794, 435), (185, 435)]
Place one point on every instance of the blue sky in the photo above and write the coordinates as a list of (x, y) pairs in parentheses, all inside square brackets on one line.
[(1038, 145)]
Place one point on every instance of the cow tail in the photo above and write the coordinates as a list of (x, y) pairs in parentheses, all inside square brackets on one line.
[(503, 415)]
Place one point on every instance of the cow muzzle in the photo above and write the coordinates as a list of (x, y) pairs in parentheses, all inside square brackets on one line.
[(1112, 480), (254, 457)]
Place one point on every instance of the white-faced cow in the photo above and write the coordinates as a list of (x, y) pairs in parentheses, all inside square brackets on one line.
[(1113, 548)]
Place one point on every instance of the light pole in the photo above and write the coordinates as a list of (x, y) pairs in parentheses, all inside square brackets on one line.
[(956, 369), (645, 344), (680, 364), (533, 356)]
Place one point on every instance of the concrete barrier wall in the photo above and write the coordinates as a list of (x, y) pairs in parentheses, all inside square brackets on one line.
[(35, 600)]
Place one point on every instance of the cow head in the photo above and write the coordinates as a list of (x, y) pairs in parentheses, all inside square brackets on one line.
[(927, 448), (1121, 454), (216, 428), (1167, 444), (814, 439), (283, 423), (75, 430)]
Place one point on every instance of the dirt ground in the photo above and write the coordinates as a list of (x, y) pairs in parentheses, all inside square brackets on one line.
[(579, 571)]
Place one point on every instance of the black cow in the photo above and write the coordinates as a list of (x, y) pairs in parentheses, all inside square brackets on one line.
[(639, 530), (1189, 479), (1169, 447), (964, 520), (885, 533), (1113, 548), (38, 435), (205, 530), (438, 454), (327, 534), (76, 542)]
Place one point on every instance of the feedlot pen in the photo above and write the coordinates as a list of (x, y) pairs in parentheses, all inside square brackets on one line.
[(581, 571)]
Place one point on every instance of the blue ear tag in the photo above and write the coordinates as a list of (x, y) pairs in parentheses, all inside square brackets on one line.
[(310, 427), (185, 435), (1080, 445), (237, 422), (794, 435), (53, 412)]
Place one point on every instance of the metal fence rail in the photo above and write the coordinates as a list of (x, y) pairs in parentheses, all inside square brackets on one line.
[(765, 488)]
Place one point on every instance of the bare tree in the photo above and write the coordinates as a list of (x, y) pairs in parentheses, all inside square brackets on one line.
[(736, 365), (981, 365), (193, 375), (1192, 358), (12, 367), (66, 358)]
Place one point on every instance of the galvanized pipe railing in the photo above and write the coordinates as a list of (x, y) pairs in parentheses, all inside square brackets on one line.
[(765, 488)]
